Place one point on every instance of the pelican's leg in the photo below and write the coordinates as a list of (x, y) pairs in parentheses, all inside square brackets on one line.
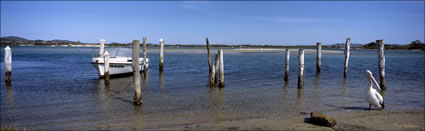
[(369, 106)]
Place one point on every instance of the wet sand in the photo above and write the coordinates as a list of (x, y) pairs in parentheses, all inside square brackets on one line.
[(348, 120)]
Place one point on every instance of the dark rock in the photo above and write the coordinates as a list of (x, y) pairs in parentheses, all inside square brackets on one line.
[(318, 118)]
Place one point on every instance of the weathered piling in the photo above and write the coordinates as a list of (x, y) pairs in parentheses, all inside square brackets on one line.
[(217, 64), (8, 64), (214, 72), (221, 84), (101, 47), (318, 56), (106, 71), (136, 72), (212, 76), (287, 55), (347, 56), (161, 55), (145, 69), (381, 61), (209, 57), (301, 68)]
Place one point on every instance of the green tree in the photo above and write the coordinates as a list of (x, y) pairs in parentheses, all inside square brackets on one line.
[(417, 44), (371, 45)]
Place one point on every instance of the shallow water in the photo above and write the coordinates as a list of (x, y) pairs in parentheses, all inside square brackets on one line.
[(54, 87)]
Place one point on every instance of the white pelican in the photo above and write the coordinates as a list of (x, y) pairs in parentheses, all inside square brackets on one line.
[(372, 96)]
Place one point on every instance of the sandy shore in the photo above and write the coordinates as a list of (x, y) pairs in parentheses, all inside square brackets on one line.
[(199, 50), (348, 120)]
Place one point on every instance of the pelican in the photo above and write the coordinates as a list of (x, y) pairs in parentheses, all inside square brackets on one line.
[(372, 96)]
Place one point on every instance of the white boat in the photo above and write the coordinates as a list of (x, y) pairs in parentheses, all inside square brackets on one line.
[(117, 64)]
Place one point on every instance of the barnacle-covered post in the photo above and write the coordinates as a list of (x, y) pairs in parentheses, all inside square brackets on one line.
[(209, 57), (101, 47), (161, 55), (381, 64), (106, 74), (347, 56), (8, 64), (221, 84), (318, 56), (287, 53), (301, 68), (145, 64), (136, 73)]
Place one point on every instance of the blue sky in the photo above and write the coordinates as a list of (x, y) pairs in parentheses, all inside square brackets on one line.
[(223, 22)]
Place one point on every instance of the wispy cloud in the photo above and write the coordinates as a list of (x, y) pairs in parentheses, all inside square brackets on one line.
[(295, 20), (194, 5), (289, 19)]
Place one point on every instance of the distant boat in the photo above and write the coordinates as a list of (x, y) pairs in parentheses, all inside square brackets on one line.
[(117, 64)]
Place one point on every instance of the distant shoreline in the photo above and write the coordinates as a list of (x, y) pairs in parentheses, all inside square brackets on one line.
[(199, 48), (18, 41)]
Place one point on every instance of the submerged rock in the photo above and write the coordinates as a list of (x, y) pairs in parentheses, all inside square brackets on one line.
[(318, 118)]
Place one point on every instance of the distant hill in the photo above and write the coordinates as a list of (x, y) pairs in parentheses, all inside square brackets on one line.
[(356, 45), (13, 38), (342, 45), (16, 38), (63, 41)]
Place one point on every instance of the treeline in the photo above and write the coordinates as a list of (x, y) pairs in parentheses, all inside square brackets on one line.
[(414, 45), (18, 41)]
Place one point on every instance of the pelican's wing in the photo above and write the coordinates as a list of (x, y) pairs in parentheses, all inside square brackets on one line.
[(380, 98)]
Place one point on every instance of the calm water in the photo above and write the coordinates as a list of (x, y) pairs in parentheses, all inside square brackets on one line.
[(57, 87)]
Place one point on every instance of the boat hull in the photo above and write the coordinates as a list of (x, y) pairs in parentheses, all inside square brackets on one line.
[(117, 65), (117, 68)]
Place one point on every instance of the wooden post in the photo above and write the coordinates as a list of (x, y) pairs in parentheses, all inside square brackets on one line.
[(217, 64), (347, 56), (145, 69), (8, 64), (301, 68), (318, 56), (287, 55), (136, 72), (209, 57), (161, 55), (101, 47), (381, 60), (106, 67), (221, 84), (212, 77)]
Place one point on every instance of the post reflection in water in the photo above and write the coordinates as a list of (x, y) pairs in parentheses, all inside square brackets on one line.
[(345, 99), (103, 93), (161, 80), (118, 89), (285, 84), (216, 99), (145, 79), (300, 100), (284, 96), (138, 117), (10, 101), (163, 89), (317, 91)]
